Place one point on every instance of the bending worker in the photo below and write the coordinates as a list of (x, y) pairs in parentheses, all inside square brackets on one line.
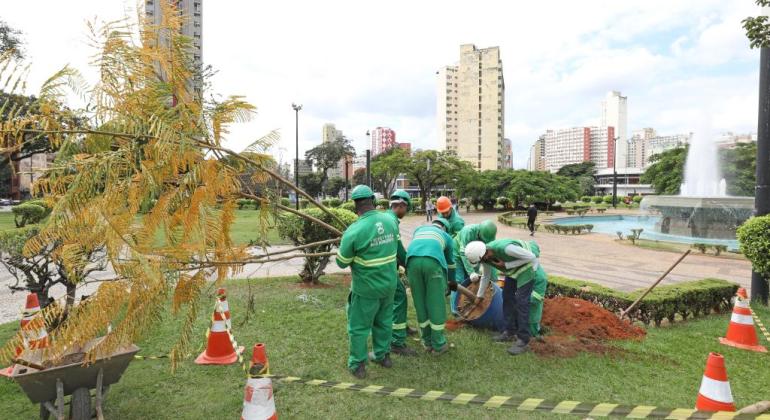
[(484, 232), (369, 247), (400, 204), (515, 259), (430, 268), (448, 213)]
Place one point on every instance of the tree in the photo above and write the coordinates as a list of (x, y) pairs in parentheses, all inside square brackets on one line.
[(444, 167), (583, 173), (334, 186), (359, 176), (739, 168), (667, 171), (757, 28), (328, 155), (485, 187), (386, 167), (312, 183), (10, 40), (543, 187)]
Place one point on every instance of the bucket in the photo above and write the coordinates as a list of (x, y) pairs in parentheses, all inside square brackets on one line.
[(489, 314)]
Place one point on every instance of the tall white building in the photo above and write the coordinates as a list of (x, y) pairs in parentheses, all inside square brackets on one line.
[(192, 27), (507, 154), (614, 113), (578, 144), (537, 159), (471, 107), (330, 133)]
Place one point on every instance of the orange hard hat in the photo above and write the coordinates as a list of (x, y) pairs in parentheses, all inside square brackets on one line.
[(443, 204)]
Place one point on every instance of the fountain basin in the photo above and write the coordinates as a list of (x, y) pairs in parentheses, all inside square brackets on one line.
[(699, 217)]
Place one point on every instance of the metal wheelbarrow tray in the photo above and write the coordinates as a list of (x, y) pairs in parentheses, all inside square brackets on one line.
[(49, 386)]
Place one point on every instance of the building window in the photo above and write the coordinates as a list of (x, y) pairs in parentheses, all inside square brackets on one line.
[(479, 74), (479, 115)]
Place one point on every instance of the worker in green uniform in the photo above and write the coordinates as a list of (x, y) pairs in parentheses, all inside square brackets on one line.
[(400, 204), (536, 300), (369, 246), (430, 268), (515, 259), (484, 232), (447, 212)]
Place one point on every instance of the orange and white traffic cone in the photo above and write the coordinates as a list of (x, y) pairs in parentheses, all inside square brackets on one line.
[(258, 402), (741, 333), (714, 393), (219, 347), (224, 307), (33, 331)]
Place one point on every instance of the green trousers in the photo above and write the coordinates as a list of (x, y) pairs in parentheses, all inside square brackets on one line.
[(400, 303), (365, 316), (427, 279), (535, 315)]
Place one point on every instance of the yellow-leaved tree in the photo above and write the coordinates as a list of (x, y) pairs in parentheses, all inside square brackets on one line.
[(147, 143)]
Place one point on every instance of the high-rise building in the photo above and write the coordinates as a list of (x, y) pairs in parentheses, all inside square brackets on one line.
[(471, 107), (507, 154), (330, 133), (579, 144), (405, 146), (615, 114), (383, 138), (192, 27), (638, 144), (537, 158), (660, 144)]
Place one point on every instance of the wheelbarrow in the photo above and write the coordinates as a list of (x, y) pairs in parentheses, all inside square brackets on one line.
[(48, 385)]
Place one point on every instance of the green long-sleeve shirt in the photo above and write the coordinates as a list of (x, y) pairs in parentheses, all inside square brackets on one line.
[(369, 246), (401, 252), (519, 257), (466, 235), (430, 241), (456, 223)]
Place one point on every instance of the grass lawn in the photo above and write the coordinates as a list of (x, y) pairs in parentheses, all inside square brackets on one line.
[(304, 330), (6, 220), (244, 229)]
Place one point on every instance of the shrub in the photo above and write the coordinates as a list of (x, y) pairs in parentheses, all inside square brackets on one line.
[(568, 205), (597, 199), (285, 202), (42, 203), (688, 299), (349, 206), (637, 199), (607, 199), (241, 202), (303, 203), (383, 203), (504, 201), (302, 231), (585, 199), (335, 202), (325, 202), (700, 247), (27, 213), (754, 240)]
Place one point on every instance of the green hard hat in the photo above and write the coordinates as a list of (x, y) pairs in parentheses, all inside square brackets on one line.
[(361, 192), (403, 195), (487, 231), (442, 222)]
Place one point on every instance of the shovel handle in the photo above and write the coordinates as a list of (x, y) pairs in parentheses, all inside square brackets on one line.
[(465, 292)]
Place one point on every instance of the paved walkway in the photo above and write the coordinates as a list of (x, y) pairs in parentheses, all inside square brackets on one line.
[(595, 257)]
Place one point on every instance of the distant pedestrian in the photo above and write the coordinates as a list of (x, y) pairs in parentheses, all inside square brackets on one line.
[(429, 210), (531, 216)]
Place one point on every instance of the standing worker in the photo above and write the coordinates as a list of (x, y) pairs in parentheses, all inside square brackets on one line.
[(446, 211), (400, 204), (369, 246), (429, 209), (531, 216), (430, 268), (515, 259), (484, 232)]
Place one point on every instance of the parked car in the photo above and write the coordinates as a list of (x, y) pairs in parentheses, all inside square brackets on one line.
[(5, 202)]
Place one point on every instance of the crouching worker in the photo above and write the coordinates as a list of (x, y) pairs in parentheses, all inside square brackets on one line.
[(430, 268), (517, 261)]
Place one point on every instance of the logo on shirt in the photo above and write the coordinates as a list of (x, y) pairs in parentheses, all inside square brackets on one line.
[(380, 228)]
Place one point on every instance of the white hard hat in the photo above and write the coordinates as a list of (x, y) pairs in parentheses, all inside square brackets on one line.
[(474, 251)]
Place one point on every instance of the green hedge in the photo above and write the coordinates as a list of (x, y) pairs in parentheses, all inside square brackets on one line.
[(754, 240), (569, 229), (688, 300), (28, 213)]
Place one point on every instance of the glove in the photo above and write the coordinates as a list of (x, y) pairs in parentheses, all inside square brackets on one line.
[(475, 277), (452, 285), (401, 270)]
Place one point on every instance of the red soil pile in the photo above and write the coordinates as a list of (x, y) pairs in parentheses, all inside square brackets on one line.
[(579, 326)]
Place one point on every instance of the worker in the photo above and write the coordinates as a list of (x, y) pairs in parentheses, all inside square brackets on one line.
[(515, 259), (400, 204), (430, 267), (538, 294), (485, 232), (445, 210), (369, 246)]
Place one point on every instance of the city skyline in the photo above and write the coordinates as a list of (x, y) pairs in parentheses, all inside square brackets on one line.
[(675, 60)]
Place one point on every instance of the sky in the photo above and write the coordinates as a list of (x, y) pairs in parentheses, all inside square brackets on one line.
[(362, 64)]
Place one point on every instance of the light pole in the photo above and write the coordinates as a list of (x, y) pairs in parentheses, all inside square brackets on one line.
[(296, 109), (759, 284), (615, 173), (368, 162)]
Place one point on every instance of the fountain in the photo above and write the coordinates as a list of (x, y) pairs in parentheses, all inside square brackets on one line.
[(703, 211)]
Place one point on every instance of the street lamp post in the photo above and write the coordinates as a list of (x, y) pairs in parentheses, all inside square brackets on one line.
[(296, 109), (615, 172), (368, 162), (759, 284)]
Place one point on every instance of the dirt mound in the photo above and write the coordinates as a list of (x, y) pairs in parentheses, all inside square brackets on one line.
[(583, 319), (576, 325)]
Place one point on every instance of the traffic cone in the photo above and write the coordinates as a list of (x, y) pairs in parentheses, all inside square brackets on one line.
[(219, 347), (33, 331), (714, 393), (258, 403), (741, 333), (224, 307)]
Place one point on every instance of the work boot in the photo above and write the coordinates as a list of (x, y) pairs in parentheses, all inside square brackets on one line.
[(503, 337), (360, 372), (385, 362), (402, 351), (443, 349), (518, 348)]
